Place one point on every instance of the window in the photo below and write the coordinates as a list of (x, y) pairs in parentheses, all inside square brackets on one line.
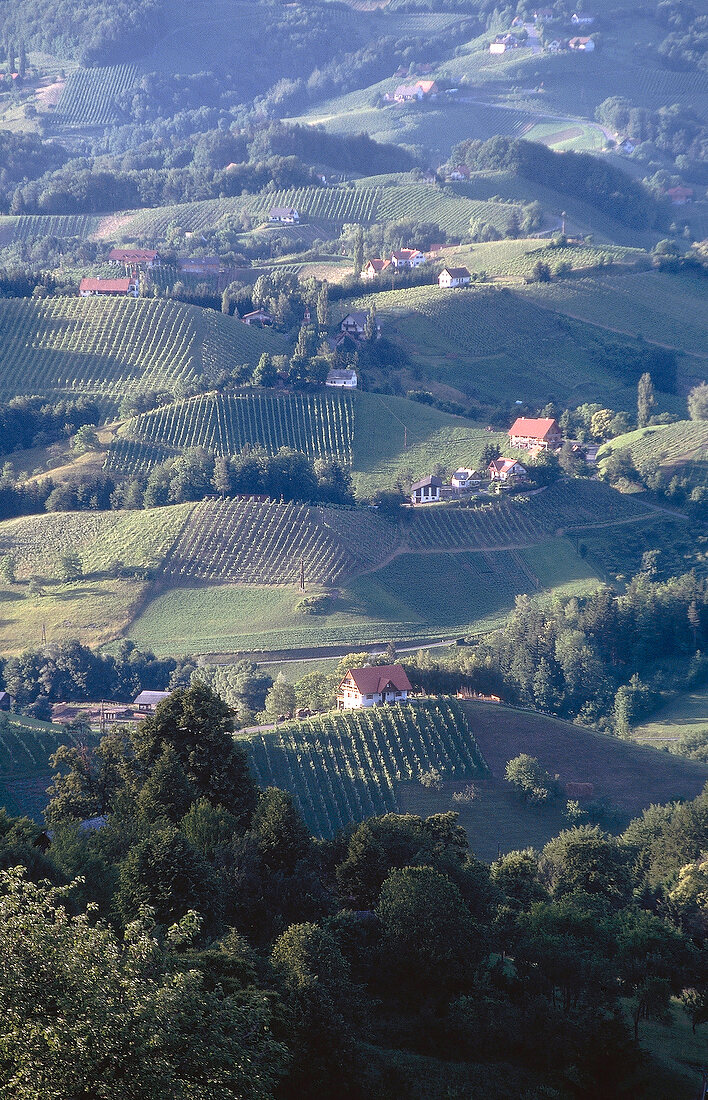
[(369, 697)]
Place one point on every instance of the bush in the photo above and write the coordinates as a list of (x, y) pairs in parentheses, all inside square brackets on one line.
[(315, 605), (532, 782)]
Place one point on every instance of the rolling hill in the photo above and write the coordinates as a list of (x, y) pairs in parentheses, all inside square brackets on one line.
[(25, 771), (106, 348)]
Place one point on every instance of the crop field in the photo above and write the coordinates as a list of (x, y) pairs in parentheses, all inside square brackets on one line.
[(105, 348), (255, 542), (338, 204), (101, 540), (496, 344), (28, 227), (25, 772), (516, 258), (320, 425), (342, 768), (89, 96), (486, 526), (414, 596), (667, 309)]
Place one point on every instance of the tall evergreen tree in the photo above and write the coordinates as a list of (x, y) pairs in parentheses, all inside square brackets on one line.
[(646, 400)]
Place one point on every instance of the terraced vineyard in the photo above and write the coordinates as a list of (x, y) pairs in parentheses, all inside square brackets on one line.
[(682, 447), (89, 96), (339, 204), (105, 348), (343, 768), (488, 526), (320, 425), (256, 542)]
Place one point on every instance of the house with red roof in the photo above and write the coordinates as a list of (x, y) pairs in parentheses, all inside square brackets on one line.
[(407, 258), (535, 433), (111, 288), (374, 268), (135, 257), (373, 686), (505, 469), (679, 196)]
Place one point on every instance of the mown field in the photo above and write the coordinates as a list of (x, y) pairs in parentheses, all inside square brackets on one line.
[(106, 348), (26, 746), (687, 713), (343, 768)]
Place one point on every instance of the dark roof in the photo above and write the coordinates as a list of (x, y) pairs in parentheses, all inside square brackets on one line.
[(457, 272), (375, 678), (151, 697), (433, 480)]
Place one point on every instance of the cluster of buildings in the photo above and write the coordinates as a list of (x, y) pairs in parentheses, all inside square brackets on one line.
[(409, 93), (105, 714), (526, 434), (404, 259), (137, 264)]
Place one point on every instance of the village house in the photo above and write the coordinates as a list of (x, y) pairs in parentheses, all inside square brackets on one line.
[(111, 288), (427, 490), (542, 15), (679, 196), (459, 172), (581, 20), (504, 469), (147, 701), (582, 44), (342, 377), (454, 276), (133, 258), (374, 268), (535, 433), (555, 46), (465, 479), (284, 215), (257, 317), (199, 265), (405, 93), (407, 258), (354, 324), (373, 686)]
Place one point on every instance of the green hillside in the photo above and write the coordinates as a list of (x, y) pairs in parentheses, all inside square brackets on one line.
[(105, 348), (342, 768), (25, 748), (680, 448)]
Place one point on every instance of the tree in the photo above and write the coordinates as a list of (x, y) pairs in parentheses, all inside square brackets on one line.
[(587, 859), (281, 833), (323, 304), (646, 400), (86, 439), (280, 700), (199, 726), (541, 272), (226, 302), (265, 373), (70, 568), (531, 780), (121, 1010), (429, 931), (698, 402), (600, 424), (490, 451), (358, 251), (7, 568), (163, 871)]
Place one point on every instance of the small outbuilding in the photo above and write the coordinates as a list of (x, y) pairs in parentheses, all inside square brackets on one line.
[(147, 701)]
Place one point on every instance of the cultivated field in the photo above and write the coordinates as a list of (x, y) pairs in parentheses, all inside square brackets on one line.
[(342, 768), (89, 96), (680, 448), (25, 773), (105, 348)]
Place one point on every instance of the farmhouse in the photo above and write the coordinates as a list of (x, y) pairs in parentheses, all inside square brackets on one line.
[(407, 258), (374, 268), (284, 215), (405, 93), (539, 433), (147, 701), (135, 257), (354, 324), (370, 687), (422, 492), (459, 172), (453, 276), (498, 47), (679, 196), (542, 15), (257, 317), (109, 287), (501, 469), (582, 44), (465, 479), (342, 377), (555, 46)]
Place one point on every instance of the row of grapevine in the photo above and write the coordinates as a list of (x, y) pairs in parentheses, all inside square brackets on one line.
[(89, 95), (344, 767), (338, 204), (319, 425), (490, 526), (31, 226), (265, 542), (130, 457)]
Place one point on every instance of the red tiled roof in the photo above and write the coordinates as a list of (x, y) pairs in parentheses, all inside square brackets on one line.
[(534, 428), (372, 680), (117, 286), (404, 254), (379, 265), (132, 255)]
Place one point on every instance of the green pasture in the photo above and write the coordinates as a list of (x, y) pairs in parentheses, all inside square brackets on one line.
[(687, 713)]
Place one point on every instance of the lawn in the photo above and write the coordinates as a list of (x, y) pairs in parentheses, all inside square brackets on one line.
[(687, 713)]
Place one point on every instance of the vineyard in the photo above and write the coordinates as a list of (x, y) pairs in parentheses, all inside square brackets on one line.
[(342, 768), (101, 540), (255, 542), (668, 309), (683, 447), (25, 748), (320, 425), (89, 96), (29, 227), (516, 258), (105, 348)]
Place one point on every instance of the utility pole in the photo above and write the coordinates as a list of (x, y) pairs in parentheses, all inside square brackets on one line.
[(44, 633), (302, 574), (405, 437)]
